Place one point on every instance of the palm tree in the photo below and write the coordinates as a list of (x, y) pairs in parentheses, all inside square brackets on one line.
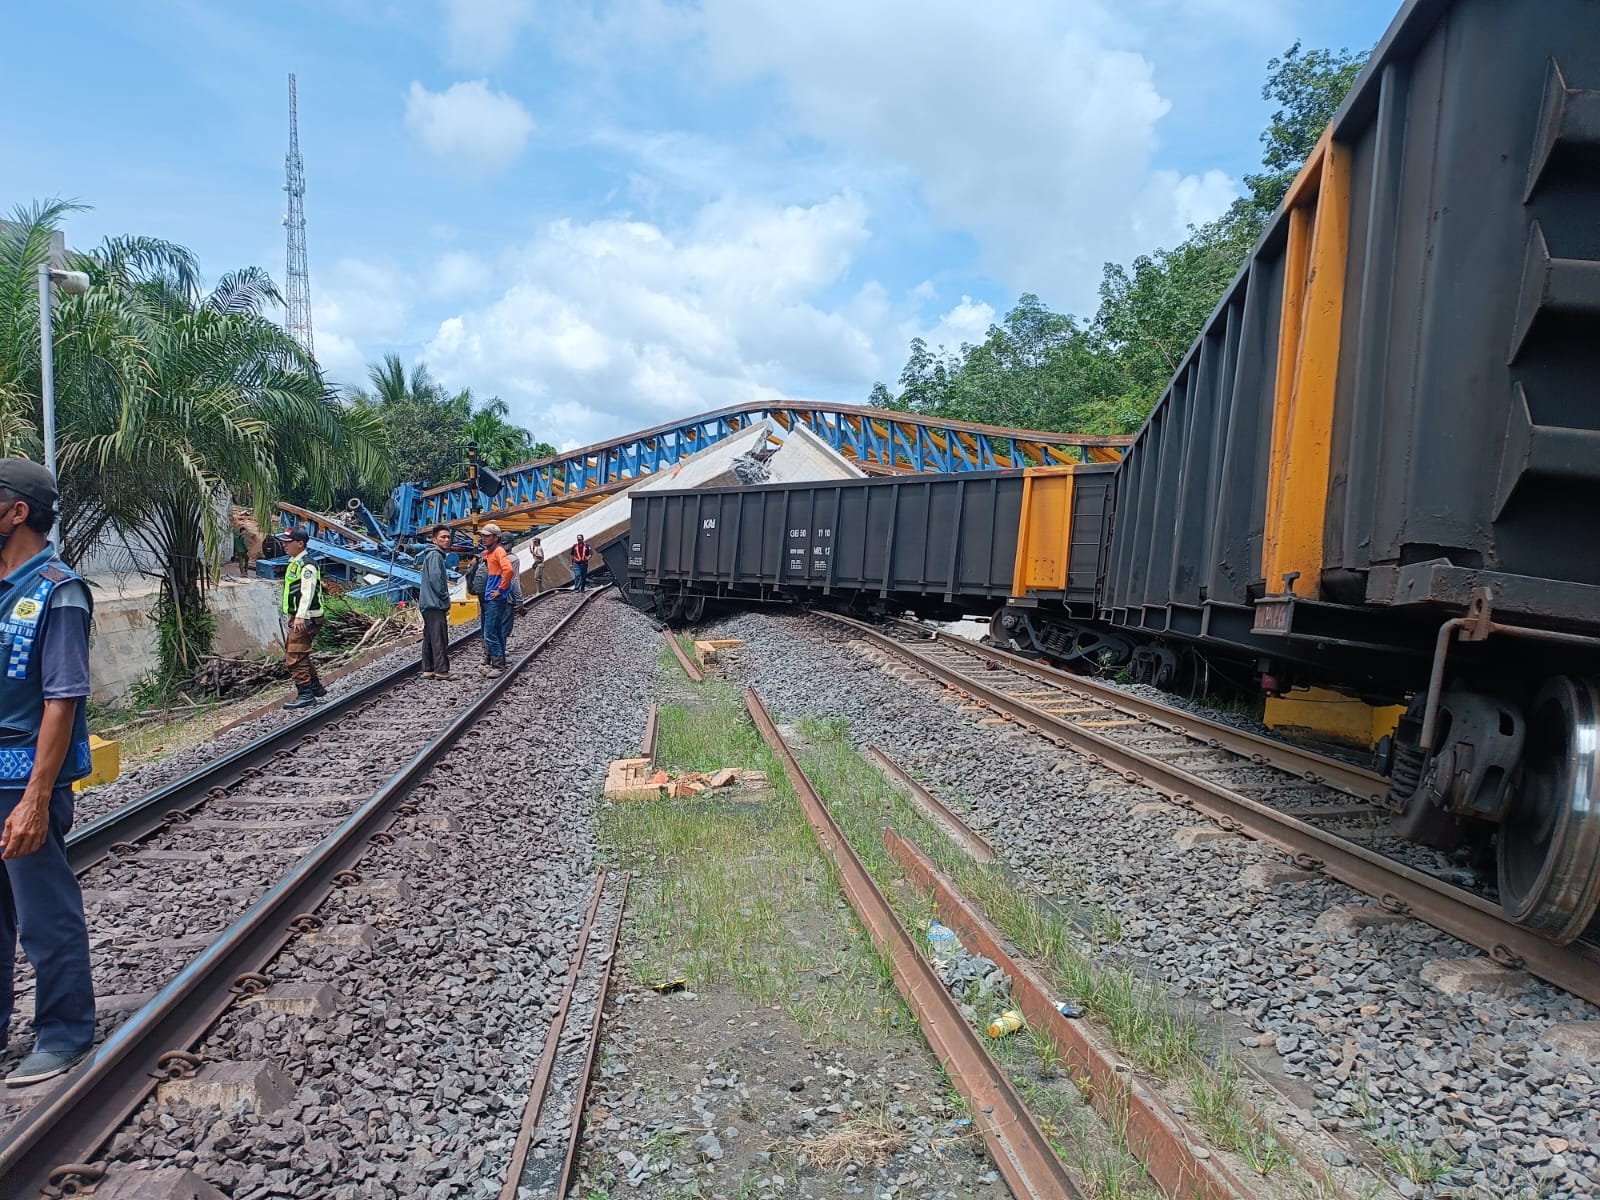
[(171, 404), (500, 443), (391, 386)]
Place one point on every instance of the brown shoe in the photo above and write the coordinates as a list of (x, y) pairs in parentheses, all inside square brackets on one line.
[(442, 676)]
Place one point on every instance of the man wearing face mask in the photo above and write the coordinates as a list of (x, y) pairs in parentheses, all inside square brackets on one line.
[(44, 745)]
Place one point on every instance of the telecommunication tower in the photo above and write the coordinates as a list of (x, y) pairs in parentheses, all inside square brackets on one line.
[(297, 275)]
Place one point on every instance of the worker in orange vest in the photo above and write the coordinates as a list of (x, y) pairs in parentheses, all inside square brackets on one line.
[(580, 564)]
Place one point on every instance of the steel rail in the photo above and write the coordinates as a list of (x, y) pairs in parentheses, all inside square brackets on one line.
[(1474, 920), (1307, 764), (76, 1119), (570, 1161), (1018, 1146), (689, 669), (647, 741), (552, 1045), (934, 809), (1160, 1139), (153, 811)]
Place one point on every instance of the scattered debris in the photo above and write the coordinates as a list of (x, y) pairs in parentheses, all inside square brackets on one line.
[(705, 652), (1006, 1024), (636, 779), (864, 1141)]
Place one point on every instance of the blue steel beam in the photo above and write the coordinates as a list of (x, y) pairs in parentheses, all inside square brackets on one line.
[(878, 439)]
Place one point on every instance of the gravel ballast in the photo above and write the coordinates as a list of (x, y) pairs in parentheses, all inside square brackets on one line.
[(1343, 1021)]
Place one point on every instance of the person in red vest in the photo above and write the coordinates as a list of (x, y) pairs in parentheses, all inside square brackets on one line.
[(580, 564)]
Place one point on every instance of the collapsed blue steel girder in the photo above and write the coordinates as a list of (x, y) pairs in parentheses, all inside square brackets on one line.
[(879, 440)]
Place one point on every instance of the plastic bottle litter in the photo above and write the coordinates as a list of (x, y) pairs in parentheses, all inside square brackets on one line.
[(1006, 1023), (1068, 1010), (943, 945)]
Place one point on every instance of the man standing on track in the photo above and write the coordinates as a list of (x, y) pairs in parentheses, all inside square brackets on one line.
[(496, 598), (580, 564), (302, 608), (434, 601), (537, 551), (44, 745)]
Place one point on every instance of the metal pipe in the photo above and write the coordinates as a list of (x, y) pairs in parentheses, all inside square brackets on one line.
[(47, 369), (1430, 711), (1481, 628), (47, 380)]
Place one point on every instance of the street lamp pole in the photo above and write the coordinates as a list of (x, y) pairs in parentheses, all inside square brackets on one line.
[(47, 370), (73, 283)]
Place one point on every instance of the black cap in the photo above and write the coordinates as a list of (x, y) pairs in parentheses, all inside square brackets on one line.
[(298, 533), (29, 480)]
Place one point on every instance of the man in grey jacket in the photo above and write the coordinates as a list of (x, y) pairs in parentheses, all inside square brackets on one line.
[(434, 602)]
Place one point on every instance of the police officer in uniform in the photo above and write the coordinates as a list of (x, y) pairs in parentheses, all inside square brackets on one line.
[(302, 609), (44, 745)]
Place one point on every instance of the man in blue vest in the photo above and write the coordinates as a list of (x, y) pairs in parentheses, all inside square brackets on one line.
[(302, 609), (44, 745)]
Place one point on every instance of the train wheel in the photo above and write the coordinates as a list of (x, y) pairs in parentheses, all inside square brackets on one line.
[(694, 608), (1549, 844)]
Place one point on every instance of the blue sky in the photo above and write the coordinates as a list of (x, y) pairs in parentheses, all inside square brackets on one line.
[(617, 213)]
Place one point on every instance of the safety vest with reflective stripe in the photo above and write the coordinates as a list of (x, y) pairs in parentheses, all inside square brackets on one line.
[(295, 576), (24, 611)]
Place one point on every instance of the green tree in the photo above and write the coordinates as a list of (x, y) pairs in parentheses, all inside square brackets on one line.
[(500, 443), (1044, 370), (171, 403), (428, 428), (1308, 86)]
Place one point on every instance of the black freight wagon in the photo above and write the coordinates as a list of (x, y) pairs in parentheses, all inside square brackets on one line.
[(941, 546), (1379, 465)]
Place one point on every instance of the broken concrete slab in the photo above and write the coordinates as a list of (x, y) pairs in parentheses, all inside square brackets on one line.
[(259, 1085), (1578, 1040), (1459, 976), (297, 999), (1353, 918), (1191, 836), (154, 1183)]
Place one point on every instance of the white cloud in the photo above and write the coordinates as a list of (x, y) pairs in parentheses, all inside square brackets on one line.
[(356, 305), (618, 324), (458, 273), (1026, 124), (966, 323), (481, 34), (476, 129)]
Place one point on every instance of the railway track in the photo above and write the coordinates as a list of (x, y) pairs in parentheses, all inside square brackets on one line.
[(255, 842), (1305, 812)]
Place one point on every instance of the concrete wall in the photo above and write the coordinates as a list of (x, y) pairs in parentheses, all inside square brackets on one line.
[(124, 646)]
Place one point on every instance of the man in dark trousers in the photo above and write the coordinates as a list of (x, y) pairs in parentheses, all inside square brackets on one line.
[(580, 564), (302, 608), (496, 598), (434, 602), (44, 745)]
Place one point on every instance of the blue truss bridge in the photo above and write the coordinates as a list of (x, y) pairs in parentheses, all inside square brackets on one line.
[(878, 440)]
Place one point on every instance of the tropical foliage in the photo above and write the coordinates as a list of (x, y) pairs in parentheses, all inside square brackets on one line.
[(1044, 370), (172, 403), (430, 427)]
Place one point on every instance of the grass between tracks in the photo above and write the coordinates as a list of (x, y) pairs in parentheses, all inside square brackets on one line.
[(1137, 1016), (720, 911), (735, 892)]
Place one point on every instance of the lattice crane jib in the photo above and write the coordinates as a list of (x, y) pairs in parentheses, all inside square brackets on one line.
[(296, 274)]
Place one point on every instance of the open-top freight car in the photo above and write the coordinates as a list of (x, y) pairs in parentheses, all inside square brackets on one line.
[(1377, 467)]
